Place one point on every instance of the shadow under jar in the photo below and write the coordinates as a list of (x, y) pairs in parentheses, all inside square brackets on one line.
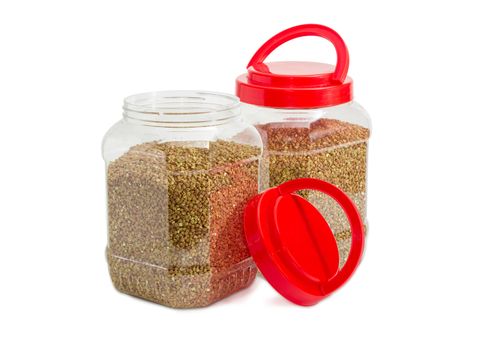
[(181, 167)]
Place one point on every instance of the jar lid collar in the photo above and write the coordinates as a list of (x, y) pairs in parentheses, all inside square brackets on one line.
[(296, 84)]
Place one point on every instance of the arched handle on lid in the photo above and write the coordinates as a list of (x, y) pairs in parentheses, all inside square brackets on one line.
[(329, 34), (356, 226)]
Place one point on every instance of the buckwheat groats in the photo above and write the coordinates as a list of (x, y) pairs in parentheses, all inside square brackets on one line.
[(328, 149), (176, 220)]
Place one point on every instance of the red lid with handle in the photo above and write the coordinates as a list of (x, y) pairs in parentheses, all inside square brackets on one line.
[(292, 244), (292, 84)]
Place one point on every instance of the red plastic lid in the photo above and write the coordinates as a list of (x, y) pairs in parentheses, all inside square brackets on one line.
[(297, 84), (292, 244)]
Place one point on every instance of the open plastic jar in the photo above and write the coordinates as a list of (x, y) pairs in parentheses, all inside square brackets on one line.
[(310, 125), (181, 167)]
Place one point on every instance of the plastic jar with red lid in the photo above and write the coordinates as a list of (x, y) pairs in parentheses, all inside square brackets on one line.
[(310, 125)]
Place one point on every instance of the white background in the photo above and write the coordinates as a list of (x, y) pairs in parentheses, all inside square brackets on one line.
[(65, 67)]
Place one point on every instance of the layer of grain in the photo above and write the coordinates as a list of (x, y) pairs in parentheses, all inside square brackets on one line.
[(326, 149), (175, 221)]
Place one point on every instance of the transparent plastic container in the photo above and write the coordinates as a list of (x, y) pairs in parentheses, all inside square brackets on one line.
[(329, 144), (310, 126), (181, 167)]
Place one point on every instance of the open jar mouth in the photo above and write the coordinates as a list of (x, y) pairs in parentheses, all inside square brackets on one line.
[(181, 108)]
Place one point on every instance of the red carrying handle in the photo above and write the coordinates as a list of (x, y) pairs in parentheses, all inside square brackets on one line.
[(356, 226), (342, 61)]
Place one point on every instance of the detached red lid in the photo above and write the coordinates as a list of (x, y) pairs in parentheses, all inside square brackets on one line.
[(292, 244), (297, 84)]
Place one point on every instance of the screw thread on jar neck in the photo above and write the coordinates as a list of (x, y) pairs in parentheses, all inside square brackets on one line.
[(181, 108)]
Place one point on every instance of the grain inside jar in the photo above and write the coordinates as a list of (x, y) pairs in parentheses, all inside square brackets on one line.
[(328, 149), (176, 220)]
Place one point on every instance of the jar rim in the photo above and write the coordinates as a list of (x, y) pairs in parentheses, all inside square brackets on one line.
[(181, 107)]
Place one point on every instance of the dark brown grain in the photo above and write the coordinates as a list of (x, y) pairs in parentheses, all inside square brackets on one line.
[(327, 149)]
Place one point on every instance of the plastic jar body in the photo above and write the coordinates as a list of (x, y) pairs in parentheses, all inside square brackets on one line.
[(180, 168), (325, 143)]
